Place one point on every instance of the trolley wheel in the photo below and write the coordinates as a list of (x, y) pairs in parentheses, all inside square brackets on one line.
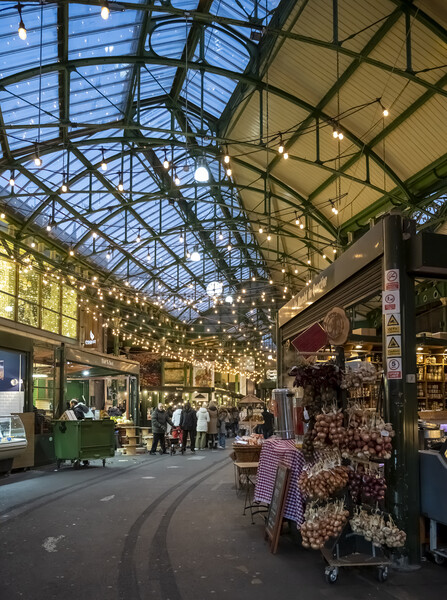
[(382, 574), (103, 462), (331, 574), (439, 560), (76, 464)]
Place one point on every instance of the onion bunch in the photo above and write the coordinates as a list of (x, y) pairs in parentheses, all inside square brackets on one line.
[(367, 436), (365, 486), (329, 430), (323, 522), (377, 529), (323, 478)]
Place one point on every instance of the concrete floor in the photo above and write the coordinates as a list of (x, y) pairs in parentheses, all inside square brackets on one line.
[(162, 527)]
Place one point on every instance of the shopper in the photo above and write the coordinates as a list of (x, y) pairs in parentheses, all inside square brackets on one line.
[(203, 418), (176, 415), (81, 410), (222, 420), (160, 421), (188, 423), (212, 425), (267, 428)]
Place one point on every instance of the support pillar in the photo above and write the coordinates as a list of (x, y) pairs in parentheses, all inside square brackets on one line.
[(401, 407)]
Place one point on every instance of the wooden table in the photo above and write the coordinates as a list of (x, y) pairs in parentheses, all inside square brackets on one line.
[(244, 468)]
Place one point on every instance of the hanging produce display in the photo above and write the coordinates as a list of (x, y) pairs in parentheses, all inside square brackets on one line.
[(344, 446)]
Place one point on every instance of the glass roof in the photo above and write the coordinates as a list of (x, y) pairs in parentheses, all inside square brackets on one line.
[(132, 95)]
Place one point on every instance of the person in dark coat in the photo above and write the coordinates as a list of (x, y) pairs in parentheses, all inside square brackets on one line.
[(267, 427), (188, 423), (160, 420)]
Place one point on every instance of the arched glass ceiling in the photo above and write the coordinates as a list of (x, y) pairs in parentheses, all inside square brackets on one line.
[(184, 80)]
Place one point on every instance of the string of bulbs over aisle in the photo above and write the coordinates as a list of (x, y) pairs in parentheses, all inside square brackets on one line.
[(201, 175)]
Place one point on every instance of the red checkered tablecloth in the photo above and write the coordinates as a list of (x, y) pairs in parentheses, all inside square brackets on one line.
[(274, 452)]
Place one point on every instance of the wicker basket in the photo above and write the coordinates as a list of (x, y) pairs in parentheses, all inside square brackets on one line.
[(247, 453)]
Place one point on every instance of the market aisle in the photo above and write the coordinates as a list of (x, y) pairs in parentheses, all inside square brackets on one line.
[(168, 528)]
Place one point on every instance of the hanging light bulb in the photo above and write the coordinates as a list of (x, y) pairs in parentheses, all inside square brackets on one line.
[(37, 159), (120, 183), (148, 257), (229, 247), (105, 11), (324, 255), (103, 162), (286, 155), (385, 112), (335, 133), (195, 255), (308, 261), (229, 172), (340, 136), (22, 28), (49, 225), (226, 157), (301, 225), (201, 174), (138, 238), (269, 237), (64, 186), (220, 235), (281, 145), (12, 181), (334, 210), (177, 180), (71, 252), (166, 162), (297, 219), (181, 239), (261, 230)]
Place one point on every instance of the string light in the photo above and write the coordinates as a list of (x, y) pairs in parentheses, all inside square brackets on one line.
[(120, 183), (166, 162), (226, 157), (105, 11), (269, 237), (177, 180), (37, 159), (286, 155), (64, 186), (138, 238), (148, 257), (261, 230), (229, 172), (297, 219), (181, 239), (281, 145), (103, 162), (22, 28), (12, 181)]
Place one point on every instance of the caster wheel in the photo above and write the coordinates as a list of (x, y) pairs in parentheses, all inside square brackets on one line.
[(382, 574), (439, 560), (331, 574)]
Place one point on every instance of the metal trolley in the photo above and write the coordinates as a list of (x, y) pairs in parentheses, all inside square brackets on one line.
[(81, 441)]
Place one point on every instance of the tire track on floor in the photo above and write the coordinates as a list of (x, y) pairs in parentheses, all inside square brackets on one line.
[(128, 585)]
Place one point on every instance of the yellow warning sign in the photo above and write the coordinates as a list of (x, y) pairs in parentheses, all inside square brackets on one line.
[(393, 345), (392, 324)]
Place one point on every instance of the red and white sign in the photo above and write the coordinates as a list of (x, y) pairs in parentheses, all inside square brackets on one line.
[(394, 368), (392, 279), (390, 302)]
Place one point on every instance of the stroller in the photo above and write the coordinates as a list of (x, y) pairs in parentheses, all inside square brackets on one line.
[(174, 440)]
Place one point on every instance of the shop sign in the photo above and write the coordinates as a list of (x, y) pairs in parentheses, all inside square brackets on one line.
[(271, 374), (394, 368), (91, 341), (390, 302), (393, 345), (392, 324), (392, 279)]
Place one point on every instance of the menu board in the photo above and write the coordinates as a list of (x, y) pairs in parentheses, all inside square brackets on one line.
[(275, 514)]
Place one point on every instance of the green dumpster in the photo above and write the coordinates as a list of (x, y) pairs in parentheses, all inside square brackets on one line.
[(83, 440)]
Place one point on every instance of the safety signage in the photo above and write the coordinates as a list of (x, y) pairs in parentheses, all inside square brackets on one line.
[(393, 345), (392, 279), (390, 302), (392, 324), (394, 368)]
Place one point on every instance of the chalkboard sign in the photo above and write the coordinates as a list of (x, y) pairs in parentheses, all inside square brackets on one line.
[(275, 514)]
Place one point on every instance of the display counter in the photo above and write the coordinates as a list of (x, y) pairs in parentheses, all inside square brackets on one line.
[(12, 441)]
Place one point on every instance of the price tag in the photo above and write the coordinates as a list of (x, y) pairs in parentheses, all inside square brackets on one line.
[(385, 433)]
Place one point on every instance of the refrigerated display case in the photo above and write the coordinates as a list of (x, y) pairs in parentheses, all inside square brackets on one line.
[(12, 441)]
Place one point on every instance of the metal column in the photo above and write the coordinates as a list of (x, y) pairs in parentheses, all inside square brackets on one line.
[(401, 398)]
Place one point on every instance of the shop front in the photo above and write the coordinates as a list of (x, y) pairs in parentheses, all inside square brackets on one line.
[(100, 381)]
